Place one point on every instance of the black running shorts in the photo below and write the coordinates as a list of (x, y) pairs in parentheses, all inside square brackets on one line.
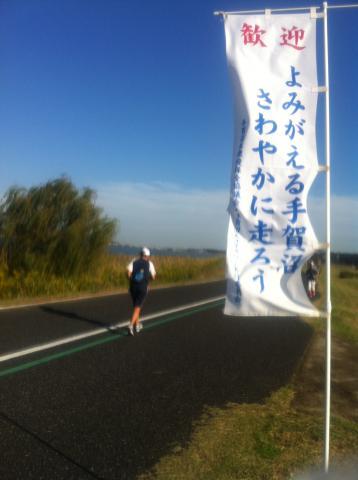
[(138, 295)]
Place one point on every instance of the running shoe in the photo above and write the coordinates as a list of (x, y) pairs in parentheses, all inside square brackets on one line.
[(130, 330), (138, 327)]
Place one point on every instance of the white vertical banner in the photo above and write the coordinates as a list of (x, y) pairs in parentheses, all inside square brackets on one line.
[(272, 62)]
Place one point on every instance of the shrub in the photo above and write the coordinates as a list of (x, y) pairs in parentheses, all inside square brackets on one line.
[(53, 228)]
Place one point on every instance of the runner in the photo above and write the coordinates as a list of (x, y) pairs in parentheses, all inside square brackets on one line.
[(139, 272), (312, 274)]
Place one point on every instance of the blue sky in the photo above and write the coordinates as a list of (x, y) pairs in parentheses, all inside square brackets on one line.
[(136, 103)]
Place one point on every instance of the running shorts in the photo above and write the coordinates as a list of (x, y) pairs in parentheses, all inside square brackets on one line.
[(138, 295)]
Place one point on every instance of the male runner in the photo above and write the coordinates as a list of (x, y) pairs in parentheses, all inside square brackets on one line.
[(139, 272)]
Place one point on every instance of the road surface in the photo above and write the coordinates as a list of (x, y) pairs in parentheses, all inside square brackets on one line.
[(108, 406)]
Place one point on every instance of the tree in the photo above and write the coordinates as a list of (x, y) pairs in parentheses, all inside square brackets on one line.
[(53, 228)]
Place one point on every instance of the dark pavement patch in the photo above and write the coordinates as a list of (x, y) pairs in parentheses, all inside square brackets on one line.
[(118, 408)]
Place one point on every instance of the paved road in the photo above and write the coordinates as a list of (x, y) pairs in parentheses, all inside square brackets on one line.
[(109, 408)]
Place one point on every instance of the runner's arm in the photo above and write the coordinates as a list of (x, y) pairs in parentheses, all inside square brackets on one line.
[(130, 270), (152, 271)]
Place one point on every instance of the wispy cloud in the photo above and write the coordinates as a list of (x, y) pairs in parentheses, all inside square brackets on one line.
[(166, 215), (163, 215)]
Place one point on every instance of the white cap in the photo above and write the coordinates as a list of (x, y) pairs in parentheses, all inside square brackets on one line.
[(145, 252)]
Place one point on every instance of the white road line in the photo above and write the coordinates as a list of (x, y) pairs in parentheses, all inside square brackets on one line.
[(99, 331)]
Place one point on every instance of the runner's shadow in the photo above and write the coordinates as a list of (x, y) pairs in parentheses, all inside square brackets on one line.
[(76, 316)]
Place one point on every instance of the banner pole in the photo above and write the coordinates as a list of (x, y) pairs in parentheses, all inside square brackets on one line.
[(328, 251), (282, 10)]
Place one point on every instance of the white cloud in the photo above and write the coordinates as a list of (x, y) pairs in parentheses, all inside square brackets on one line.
[(167, 215)]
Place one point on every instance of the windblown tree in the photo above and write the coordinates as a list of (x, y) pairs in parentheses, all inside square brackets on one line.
[(53, 228)]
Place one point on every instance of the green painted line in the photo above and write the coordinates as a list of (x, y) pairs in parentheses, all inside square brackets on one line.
[(58, 355), (183, 314), (108, 338)]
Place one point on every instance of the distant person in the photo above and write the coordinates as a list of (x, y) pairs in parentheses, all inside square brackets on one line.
[(139, 272), (312, 274)]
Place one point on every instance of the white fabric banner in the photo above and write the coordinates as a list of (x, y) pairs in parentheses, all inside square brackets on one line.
[(272, 62)]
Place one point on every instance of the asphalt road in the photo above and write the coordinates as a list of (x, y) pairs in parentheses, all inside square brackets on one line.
[(109, 407)]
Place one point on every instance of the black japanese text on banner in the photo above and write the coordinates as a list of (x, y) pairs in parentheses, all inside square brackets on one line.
[(272, 62)]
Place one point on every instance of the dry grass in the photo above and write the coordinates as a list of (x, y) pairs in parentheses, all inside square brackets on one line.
[(345, 302), (344, 296), (110, 276)]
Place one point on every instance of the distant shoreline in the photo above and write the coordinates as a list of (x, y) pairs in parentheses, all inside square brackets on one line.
[(118, 249)]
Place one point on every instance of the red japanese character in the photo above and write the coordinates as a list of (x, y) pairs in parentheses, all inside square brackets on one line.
[(252, 36), (292, 37)]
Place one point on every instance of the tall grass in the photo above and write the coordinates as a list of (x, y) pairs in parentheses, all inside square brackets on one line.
[(344, 293), (110, 275), (345, 302)]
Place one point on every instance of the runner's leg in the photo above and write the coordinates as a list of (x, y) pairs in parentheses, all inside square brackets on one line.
[(135, 316)]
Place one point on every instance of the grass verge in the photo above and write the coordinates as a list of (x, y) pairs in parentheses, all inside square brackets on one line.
[(345, 302), (255, 442), (344, 297)]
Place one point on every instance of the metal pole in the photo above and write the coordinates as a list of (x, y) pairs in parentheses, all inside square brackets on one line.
[(282, 10), (328, 252), (289, 9), (342, 6)]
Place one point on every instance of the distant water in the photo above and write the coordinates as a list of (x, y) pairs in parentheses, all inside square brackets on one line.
[(116, 249), (166, 252)]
